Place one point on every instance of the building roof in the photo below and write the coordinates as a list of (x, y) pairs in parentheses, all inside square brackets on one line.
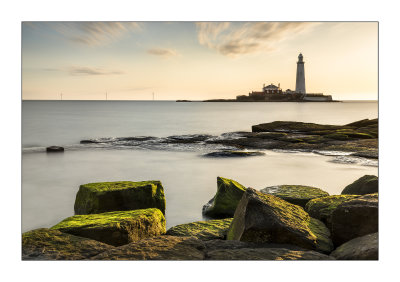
[(271, 86)]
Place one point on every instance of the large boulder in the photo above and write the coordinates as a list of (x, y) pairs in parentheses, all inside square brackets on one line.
[(295, 194), (119, 196), (203, 230), (360, 248), (225, 201), (368, 184), (322, 208), (157, 248), (47, 244), (355, 218), (263, 218), (115, 228)]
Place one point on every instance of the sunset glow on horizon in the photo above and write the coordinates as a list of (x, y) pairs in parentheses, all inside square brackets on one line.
[(195, 60)]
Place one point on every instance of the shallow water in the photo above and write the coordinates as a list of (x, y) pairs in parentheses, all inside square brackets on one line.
[(50, 181)]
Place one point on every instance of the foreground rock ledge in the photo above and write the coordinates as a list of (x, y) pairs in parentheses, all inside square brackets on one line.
[(295, 194), (115, 228), (47, 244), (119, 196), (225, 201), (203, 230), (263, 218), (360, 248)]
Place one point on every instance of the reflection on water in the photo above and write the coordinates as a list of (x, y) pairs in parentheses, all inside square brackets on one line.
[(50, 181)]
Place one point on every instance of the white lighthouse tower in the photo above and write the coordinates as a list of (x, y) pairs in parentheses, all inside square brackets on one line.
[(300, 79)]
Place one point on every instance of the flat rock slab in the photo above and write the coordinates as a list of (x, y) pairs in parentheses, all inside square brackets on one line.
[(265, 254), (355, 218), (203, 230), (115, 228), (157, 248), (225, 201), (295, 194), (47, 244), (368, 184), (263, 218), (322, 208), (233, 154), (360, 248), (119, 196)]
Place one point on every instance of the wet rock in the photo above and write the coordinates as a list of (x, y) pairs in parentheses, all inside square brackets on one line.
[(54, 149), (265, 254), (295, 194), (322, 208), (47, 244), (263, 218), (360, 248), (371, 154), (119, 196), (368, 184), (355, 218), (228, 154), (289, 126), (115, 228), (157, 248), (203, 230), (223, 204)]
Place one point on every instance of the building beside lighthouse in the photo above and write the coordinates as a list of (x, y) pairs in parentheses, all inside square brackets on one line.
[(273, 93)]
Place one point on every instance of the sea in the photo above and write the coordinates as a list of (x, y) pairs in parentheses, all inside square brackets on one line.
[(50, 181)]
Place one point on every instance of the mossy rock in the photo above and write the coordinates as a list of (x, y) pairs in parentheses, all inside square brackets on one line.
[(367, 184), (322, 208), (337, 136), (360, 248), (119, 196), (157, 248), (225, 201), (292, 126), (295, 194), (115, 228), (323, 235), (47, 244), (203, 230), (355, 218), (263, 218)]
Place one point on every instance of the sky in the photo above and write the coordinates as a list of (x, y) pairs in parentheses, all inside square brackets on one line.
[(195, 60)]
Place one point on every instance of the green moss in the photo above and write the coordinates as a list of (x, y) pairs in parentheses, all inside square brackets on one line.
[(295, 194), (367, 184), (203, 230), (337, 136), (120, 195), (323, 235), (115, 228), (225, 201)]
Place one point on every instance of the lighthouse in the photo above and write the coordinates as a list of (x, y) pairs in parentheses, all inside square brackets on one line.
[(300, 80)]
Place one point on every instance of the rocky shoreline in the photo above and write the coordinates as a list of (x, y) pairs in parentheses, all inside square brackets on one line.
[(286, 222)]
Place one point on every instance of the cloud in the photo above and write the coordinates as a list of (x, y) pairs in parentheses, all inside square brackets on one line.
[(83, 70), (162, 52), (234, 39), (93, 33)]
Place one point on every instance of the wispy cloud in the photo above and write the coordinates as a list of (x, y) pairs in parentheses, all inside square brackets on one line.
[(84, 70), (162, 52), (234, 39), (92, 33)]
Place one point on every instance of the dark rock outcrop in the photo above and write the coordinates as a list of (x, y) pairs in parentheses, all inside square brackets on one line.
[(223, 204), (47, 244), (157, 248), (233, 154), (203, 230), (355, 218), (322, 208), (115, 228), (295, 194), (263, 218), (368, 184), (119, 196), (360, 248), (55, 149)]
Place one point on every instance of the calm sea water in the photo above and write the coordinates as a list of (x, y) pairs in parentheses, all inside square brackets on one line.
[(50, 181)]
